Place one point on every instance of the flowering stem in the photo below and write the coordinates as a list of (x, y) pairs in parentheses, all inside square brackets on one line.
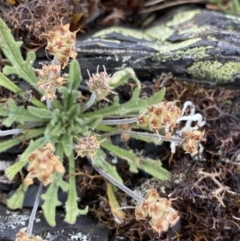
[(34, 210), (152, 136), (89, 103), (49, 104), (119, 121), (125, 189), (11, 132)]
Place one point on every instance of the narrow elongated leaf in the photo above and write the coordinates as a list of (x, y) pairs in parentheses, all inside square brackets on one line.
[(118, 214), (18, 114), (16, 200), (138, 136), (16, 167), (72, 210), (127, 155), (137, 106), (11, 49), (51, 201), (53, 132), (67, 144), (135, 162), (99, 159), (122, 76), (75, 76), (154, 168), (8, 84), (42, 114), (5, 145), (69, 97), (74, 111), (93, 122)]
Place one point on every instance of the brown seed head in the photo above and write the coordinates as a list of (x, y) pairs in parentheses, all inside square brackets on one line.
[(50, 80), (159, 210), (43, 164), (61, 43), (163, 115)]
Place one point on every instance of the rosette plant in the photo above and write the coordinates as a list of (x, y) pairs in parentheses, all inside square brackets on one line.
[(54, 116)]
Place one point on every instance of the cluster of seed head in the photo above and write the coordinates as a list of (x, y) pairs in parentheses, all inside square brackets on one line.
[(43, 164), (99, 84), (49, 80), (23, 236), (163, 115), (61, 43), (87, 146), (191, 140), (159, 210)]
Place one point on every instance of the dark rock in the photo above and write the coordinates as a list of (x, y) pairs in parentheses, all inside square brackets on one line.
[(30, 196), (86, 227)]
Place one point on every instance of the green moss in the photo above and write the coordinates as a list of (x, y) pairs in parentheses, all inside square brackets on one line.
[(215, 71)]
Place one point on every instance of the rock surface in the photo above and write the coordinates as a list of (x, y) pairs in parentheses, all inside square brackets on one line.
[(86, 228)]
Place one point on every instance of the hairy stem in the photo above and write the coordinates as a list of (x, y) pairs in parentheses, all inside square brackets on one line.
[(89, 103), (11, 132), (125, 189), (152, 136), (34, 211), (119, 121)]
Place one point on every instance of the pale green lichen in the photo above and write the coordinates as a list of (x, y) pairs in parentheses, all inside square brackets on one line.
[(79, 236), (215, 70), (121, 30), (213, 38), (13, 220), (159, 33), (183, 17), (193, 31), (179, 50), (192, 53)]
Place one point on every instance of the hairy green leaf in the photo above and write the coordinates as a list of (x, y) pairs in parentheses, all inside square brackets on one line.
[(11, 49), (16, 167), (72, 210), (135, 106), (17, 199), (75, 76), (8, 84), (18, 114), (42, 114), (51, 201), (127, 155), (99, 159)]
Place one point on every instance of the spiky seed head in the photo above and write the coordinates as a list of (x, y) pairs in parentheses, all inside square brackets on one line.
[(87, 146), (99, 84)]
